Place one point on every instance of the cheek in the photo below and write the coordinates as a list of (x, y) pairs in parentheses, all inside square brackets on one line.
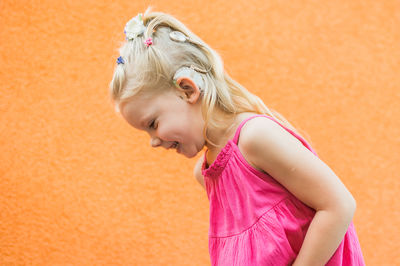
[(167, 132)]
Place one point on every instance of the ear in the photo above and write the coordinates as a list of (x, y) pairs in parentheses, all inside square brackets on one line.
[(189, 88)]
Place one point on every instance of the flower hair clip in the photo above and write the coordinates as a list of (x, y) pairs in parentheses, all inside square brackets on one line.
[(148, 41), (134, 27), (120, 60)]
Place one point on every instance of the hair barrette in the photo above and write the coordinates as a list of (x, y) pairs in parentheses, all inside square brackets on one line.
[(148, 41), (120, 60), (177, 36)]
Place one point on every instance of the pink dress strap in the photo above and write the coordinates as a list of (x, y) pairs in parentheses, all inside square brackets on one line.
[(303, 141)]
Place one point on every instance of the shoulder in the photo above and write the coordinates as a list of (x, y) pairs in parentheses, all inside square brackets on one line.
[(272, 149), (263, 136), (269, 147)]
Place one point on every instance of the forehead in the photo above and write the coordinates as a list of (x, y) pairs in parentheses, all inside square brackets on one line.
[(139, 109), (136, 109)]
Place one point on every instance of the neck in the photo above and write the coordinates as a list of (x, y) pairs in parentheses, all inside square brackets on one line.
[(222, 134), (219, 134)]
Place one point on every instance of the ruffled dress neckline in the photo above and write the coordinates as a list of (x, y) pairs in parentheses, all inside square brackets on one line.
[(218, 165)]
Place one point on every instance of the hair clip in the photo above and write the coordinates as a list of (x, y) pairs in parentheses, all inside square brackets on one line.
[(120, 60), (177, 36), (148, 41), (134, 27)]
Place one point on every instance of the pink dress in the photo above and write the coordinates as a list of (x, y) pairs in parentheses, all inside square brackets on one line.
[(254, 220)]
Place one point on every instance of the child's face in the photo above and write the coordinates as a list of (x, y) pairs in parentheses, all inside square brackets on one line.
[(168, 119)]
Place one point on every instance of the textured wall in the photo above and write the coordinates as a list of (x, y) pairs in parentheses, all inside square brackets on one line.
[(78, 186)]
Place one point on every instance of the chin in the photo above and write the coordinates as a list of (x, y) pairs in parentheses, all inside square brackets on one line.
[(187, 155), (191, 155)]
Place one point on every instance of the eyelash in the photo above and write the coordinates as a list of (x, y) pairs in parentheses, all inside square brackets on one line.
[(152, 123)]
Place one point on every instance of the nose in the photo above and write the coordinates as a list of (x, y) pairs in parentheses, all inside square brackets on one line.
[(155, 142)]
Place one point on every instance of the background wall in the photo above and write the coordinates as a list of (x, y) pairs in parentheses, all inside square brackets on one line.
[(78, 186)]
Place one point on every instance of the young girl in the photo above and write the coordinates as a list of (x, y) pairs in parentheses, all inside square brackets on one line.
[(272, 200)]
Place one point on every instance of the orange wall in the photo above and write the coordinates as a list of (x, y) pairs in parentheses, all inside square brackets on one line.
[(78, 186)]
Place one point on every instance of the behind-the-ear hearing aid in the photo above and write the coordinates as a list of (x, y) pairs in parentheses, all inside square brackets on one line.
[(190, 73)]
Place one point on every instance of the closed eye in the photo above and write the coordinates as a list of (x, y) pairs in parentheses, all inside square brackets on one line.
[(152, 124)]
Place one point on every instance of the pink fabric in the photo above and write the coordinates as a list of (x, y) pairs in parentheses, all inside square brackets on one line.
[(254, 220)]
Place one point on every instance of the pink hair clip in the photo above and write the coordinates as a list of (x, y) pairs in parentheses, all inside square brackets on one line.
[(148, 42)]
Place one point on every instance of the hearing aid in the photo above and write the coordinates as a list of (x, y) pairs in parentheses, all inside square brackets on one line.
[(190, 73)]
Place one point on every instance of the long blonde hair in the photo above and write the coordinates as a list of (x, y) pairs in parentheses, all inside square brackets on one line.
[(149, 70)]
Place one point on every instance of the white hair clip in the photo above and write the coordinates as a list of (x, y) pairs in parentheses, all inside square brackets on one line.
[(177, 36)]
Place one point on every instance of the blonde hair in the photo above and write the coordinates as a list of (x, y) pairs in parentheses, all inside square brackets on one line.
[(149, 70)]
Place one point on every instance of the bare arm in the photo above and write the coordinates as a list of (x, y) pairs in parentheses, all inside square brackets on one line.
[(197, 171), (274, 150)]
